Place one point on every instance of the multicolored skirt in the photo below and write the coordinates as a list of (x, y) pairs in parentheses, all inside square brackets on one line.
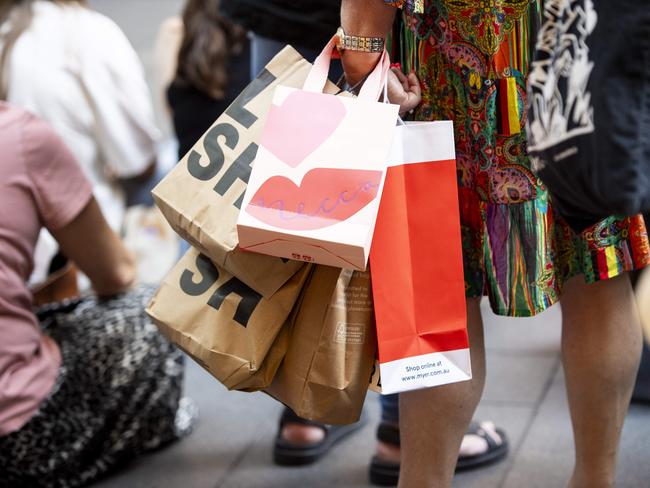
[(472, 60)]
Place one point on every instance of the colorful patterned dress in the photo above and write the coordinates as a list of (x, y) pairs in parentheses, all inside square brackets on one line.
[(471, 57)]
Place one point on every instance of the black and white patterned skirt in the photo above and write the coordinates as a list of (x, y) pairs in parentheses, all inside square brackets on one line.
[(117, 395)]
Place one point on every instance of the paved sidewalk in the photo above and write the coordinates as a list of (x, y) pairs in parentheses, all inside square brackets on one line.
[(231, 447)]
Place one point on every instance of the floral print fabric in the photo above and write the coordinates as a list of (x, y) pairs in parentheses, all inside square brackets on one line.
[(517, 250)]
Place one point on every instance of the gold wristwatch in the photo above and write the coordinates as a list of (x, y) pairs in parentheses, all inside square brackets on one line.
[(357, 43)]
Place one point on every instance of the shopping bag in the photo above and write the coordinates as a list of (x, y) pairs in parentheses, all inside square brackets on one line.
[(235, 333), (417, 267), (375, 377), (325, 372), (589, 108), (202, 195), (314, 192)]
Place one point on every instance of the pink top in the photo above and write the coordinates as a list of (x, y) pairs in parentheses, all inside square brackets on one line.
[(40, 185)]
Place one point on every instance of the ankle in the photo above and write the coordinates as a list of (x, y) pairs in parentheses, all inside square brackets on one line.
[(412, 477), (590, 479)]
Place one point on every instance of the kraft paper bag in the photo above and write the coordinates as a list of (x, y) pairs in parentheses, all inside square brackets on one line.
[(314, 192), (201, 197), (325, 373), (235, 333), (417, 266), (375, 377)]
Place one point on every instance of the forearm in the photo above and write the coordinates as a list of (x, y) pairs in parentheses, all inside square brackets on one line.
[(97, 251), (366, 18)]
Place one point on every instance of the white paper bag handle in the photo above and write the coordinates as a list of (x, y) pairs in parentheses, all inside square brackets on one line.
[(372, 87)]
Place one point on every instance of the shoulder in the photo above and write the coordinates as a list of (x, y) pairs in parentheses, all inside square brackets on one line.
[(91, 30), (92, 18), (81, 15), (24, 129), (83, 29), (14, 117), (31, 144), (40, 144), (13, 121)]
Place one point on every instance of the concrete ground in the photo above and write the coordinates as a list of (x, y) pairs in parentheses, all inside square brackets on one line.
[(231, 447)]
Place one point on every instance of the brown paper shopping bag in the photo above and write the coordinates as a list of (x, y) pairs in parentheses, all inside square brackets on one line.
[(201, 197), (227, 327), (325, 372)]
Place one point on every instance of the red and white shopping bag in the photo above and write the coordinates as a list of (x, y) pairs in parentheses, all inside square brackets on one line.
[(416, 264), (314, 191)]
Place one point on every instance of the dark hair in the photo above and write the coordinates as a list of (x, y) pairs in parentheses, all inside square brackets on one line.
[(19, 13), (208, 43)]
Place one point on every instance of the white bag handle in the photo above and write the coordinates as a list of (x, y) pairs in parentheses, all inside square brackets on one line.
[(372, 87)]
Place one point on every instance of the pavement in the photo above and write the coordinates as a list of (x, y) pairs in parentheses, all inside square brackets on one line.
[(525, 394)]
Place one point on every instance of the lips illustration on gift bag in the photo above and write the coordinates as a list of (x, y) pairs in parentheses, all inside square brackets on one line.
[(325, 197)]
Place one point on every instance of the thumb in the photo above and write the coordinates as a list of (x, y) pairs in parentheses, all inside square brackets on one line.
[(414, 84)]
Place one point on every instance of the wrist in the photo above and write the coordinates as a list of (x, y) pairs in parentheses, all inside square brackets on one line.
[(357, 65)]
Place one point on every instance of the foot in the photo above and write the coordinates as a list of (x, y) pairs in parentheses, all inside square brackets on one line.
[(473, 444), (301, 442), (388, 452), (302, 435), (482, 444)]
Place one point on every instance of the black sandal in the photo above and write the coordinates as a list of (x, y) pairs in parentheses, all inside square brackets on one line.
[(286, 453), (386, 473)]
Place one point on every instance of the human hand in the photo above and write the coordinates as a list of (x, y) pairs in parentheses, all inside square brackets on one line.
[(404, 90)]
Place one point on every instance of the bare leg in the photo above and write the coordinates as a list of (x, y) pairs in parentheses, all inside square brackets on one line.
[(601, 346), (433, 421)]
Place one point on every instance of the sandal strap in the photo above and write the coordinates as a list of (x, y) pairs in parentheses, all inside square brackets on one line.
[(388, 433), (476, 429), (290, 417)]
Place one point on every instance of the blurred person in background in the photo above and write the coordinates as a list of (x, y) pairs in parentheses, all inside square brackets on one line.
[(86, 384), (273, 24), (308, 26), (75, 68), (211, 69)]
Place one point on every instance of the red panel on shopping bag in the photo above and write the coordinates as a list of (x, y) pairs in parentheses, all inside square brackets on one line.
[(417, 249), (417, 274)]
